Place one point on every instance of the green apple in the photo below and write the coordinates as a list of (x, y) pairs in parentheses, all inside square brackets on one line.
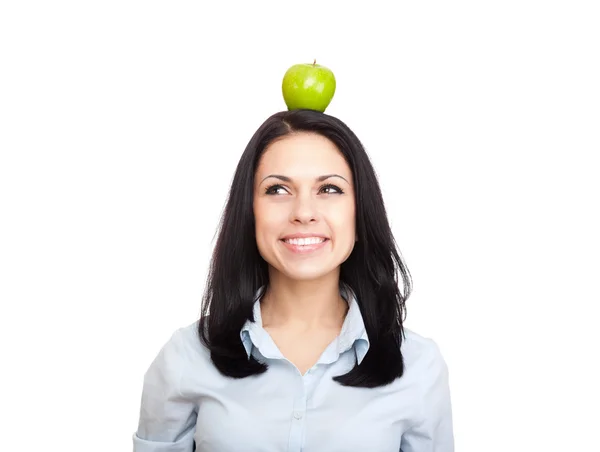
[(309, 86)]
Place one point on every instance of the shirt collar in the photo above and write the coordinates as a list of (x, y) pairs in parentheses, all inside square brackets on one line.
[(352, 335)]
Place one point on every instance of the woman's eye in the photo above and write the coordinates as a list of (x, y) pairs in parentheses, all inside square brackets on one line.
[(272, 190), (331, 189)]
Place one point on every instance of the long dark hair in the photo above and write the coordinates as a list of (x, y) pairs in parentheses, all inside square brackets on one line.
[(237, 270)]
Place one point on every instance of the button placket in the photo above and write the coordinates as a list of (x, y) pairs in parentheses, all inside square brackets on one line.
[(297, 419)]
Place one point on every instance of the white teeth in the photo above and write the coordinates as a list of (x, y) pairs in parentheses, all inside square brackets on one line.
[(305, 241)]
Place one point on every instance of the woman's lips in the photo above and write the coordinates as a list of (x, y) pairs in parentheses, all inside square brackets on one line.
[(304, 249)]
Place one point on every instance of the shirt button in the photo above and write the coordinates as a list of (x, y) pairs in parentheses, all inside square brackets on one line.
[(297, 415)]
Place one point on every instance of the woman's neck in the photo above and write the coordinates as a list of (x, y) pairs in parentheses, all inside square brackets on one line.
[(303, 305)]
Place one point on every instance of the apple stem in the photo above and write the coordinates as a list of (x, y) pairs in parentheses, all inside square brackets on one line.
[(315, 61)]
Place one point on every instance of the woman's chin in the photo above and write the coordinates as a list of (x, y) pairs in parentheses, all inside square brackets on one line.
[(310, 272)]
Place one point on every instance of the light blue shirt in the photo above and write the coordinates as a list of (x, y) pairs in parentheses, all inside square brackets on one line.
[(185, 400)]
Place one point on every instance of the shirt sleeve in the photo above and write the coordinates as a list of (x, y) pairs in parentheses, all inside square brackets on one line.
[(433, 430), (167, 419)]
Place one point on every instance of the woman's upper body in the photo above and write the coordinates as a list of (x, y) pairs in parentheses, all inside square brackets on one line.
[(300, 345), (186, 400)]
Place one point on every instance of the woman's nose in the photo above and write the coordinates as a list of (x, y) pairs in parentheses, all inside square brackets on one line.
[(304, 209)]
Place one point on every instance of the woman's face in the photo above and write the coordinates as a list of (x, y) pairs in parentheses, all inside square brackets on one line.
[(304, 207)]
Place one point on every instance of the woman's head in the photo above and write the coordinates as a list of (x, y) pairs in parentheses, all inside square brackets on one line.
[(305, 172), (304, 207)]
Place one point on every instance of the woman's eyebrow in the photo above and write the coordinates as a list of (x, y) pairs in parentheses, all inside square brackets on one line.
[(318, 179)]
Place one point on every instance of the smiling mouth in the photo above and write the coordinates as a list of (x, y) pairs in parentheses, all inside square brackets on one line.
[(305, 245), (305, 241)]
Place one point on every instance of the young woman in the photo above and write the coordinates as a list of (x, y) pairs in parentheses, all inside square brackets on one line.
[(300, 345)]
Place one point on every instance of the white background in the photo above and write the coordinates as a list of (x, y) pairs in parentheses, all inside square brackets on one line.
[(121, 125)]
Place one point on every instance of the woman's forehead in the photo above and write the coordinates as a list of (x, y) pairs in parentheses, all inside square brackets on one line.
[(303, 155)]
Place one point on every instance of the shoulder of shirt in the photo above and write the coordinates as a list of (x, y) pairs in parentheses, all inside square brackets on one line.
[(190, 337), (185, 344), (421, 352)]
